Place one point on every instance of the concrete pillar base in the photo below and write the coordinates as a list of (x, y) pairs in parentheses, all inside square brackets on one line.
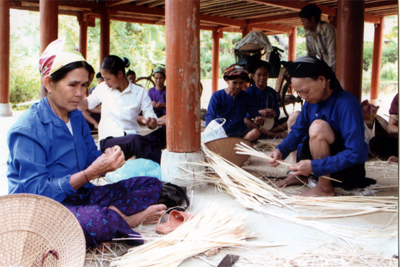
[(176, 173), (374, 102), (5, 110)]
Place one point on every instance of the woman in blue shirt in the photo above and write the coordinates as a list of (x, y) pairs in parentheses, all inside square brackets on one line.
[(328, 133), (233, 104), (266, 101), (53, 154)]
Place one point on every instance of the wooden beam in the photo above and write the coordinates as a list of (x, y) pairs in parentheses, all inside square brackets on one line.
[(223, 20), (117, 3), (294, 5), (208, 28), (393, 3), (273, 18), (274, 27), (372, 19), (132, 20), (156, 3), (144, 2), (140, 9)]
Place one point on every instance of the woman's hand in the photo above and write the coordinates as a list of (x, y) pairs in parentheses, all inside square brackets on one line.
[(303, 167), (154, 104), (160, 105), (275, 155), (112, 159), (258, 120), (267, 113), (150, 122)]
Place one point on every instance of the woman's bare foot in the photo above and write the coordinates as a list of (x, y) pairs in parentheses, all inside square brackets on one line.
[(104, 247), (291, 180), (151, 215), (319, 191), (393, 159)]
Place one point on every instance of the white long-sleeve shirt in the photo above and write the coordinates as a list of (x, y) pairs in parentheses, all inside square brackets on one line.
[(119, 111), (322, 43)]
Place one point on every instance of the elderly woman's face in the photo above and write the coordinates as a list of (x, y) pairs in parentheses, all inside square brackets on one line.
[(235, 86), (66, 94), (260, 78), (312, 91)]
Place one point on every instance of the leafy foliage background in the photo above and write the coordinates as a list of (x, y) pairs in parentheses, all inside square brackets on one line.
[(143, 45)]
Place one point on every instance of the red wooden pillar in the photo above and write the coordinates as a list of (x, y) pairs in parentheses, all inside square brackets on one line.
[(216, 35), (48, 26), (5, 108), (83, 27), (377, 60), (349, 49), (292, 44), (182, 26), (48, 22), (104, 33)]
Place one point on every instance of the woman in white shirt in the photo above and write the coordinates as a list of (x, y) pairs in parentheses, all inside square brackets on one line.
[(121, 102)]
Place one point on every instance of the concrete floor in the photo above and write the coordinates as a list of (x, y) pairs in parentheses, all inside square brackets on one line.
[(269, 229)]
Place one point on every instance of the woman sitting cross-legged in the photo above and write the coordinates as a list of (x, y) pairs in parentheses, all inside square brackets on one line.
[(328, 133), (266, 101), (122, 102), (53, 154), (233, 104)]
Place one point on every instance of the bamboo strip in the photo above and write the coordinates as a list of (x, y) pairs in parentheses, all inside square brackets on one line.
[(392, 117), (246, 150), (211, 228)]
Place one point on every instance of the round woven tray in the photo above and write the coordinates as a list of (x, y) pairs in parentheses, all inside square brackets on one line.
[(225, 147), (33, 225)]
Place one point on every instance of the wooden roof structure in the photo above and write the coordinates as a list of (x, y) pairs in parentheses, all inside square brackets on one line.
[(269, 16)]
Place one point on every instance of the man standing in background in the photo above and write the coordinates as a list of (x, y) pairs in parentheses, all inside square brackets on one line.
[(320, 35)]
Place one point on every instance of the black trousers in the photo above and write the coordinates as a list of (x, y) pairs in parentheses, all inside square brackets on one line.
[(148, 146), (352, 177)]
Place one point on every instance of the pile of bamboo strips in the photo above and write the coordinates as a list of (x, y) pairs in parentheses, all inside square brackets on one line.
[(327, 254), (212, 228), (253, 193)]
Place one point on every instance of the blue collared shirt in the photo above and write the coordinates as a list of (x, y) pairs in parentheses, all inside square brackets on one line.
[(44, 154), (234, 110), (342, 111), (266, 98)]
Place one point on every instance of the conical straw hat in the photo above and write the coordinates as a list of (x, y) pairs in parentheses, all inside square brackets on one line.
[(32, 226)]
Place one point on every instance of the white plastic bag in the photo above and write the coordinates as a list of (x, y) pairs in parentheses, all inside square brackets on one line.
[(135, 168), (214, 131)]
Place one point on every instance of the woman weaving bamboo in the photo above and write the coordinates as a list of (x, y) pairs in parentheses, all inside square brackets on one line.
[(53, 154), (328, 133)]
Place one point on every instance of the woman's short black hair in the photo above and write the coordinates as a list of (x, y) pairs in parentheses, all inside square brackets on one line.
[(312, 67), (113, 64), (130, 72), (61, 73), (259, 64), (309, 11), (98, 76)]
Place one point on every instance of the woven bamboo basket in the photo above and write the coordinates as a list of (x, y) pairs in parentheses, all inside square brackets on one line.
[(31, 226), (225, 147)]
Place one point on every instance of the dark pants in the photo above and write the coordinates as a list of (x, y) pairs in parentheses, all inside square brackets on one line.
[(352, 177), (100, 224), (384, 146), (147, 147)]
